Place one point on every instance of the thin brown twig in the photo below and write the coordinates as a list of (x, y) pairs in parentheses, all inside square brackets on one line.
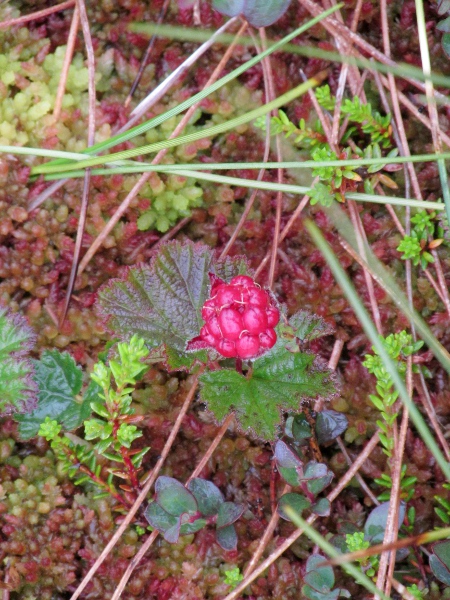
[(90, 142), (276, 233), (143, 179), (146, 488), (344, 481), (71, 40), (358, 477), (37, 15), (146, 56)]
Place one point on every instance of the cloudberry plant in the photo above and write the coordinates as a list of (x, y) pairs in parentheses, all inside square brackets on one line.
[(240, 318)]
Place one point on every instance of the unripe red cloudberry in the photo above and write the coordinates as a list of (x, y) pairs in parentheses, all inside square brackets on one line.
[(239, 319)]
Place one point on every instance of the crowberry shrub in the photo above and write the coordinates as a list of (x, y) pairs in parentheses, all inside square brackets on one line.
[(240, 318)]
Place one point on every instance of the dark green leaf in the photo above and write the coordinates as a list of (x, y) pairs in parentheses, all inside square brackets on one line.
[(308, 327), (321, 507), (193, 527), (175, 360), (301, 429), (229, 512), (444, 25), (159, 518), (173, 497), (289, 464), (317, 476), (259, 13), (329, 425), (161, 303), (296, 502), (445, 43), (59, 380), (320, 578), (376, 522), (172, 534), (440, 561), (313, 594), (280, 380), (208, 496), (227, 538)]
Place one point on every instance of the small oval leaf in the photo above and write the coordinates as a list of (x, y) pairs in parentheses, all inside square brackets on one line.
[(329, 425), (229, 512), (208, 496), (295, 502), (173, 497), (227, 537)]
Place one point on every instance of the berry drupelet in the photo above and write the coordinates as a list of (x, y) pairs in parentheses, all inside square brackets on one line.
[(240, 318)]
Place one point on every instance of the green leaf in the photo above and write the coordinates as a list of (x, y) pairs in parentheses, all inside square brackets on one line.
[(259, 13), (208, 496), (228, 513), (317, 476), (295, 502), (59, 380), (440, 561), (445, 43), (301, 429), (227, 538), (319, 578), (308, 327), (159, 518), (162, 302), (280, 381), (375, 525), (188, 528), (173, 497), (321, 507)]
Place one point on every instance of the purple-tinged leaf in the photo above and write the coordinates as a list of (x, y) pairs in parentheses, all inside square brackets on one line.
[(18, 389), (209, 497), (279, 382), (259, 13), (229, 512), (320, 578), (173, 497), (329, 425), (286, 457), (317, 477), (295, 502), (322, 507), (227, 538), (172, 534), (187, 528), (440, 561), (375, 525), (158, 518)]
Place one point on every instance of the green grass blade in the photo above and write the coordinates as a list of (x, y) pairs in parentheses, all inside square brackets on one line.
[(369, 328), (183, 139), (140, 129), (253, 184), (306, 164), (326, 547), (402, 70)]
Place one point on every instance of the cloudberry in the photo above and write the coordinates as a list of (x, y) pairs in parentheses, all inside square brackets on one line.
[(239, 319)]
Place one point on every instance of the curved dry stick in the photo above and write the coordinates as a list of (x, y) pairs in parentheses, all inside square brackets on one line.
[(148, 484), (143, 179), (149, 541), (71, 39), (90, 141), (345, 480), (37, 15)]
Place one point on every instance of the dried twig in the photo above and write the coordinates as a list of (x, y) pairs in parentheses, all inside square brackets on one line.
[(66, 64), (37, 15), (90, 142)]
